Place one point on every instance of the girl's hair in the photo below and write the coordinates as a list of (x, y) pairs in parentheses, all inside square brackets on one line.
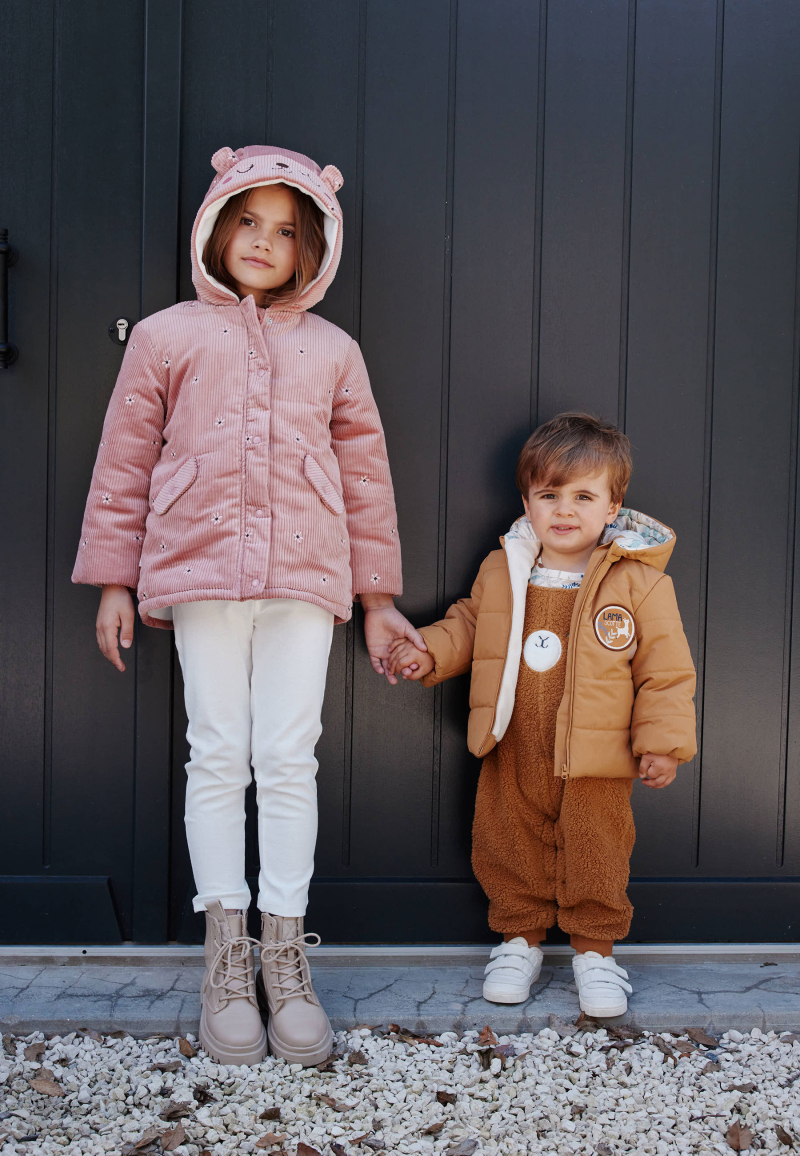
[(309, 244), (573, 444)]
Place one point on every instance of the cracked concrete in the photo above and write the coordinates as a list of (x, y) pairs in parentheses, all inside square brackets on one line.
[(434, 998)]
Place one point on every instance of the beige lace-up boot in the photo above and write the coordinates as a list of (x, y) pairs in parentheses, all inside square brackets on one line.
[(298, 1028), (231, 1031)]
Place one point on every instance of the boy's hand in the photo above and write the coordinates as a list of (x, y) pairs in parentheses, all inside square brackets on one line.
[(383, 625), (412, 663), (116, 613), (657, 770)]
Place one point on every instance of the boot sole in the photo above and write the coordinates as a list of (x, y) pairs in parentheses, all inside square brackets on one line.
[(245, 1056), (504, 996), (309, 1056), (603, 1013)]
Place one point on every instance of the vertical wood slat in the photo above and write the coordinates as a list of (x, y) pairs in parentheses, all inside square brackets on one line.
[(26, 69), (153, 752), (403, 269), (670, 242), (752, 471), (98, 261), (496, 165), (583, 219)]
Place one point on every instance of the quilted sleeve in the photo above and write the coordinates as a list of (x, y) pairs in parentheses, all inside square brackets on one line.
[(450, 642), (360, 448), (116, 509), (663, 721)]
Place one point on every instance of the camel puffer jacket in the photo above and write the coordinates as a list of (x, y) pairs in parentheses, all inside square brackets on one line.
[(242, 454), (629, 680)]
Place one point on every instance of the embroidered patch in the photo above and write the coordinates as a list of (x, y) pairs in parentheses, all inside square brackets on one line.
[(542, 650), (615, 628)]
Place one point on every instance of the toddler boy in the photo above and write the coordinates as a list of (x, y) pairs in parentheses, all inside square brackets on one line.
[(582, 681)]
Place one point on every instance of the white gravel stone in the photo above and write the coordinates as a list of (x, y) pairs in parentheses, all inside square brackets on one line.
[(571, 1095)]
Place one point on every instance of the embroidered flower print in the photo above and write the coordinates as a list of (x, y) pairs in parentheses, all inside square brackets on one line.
[(301, 351), (297, 437), (324, 581), (84, 543), (195, 380), (102, 444), (393, 531), (248, 533), (226, 330), (375, 578), (347, 390), (163, 547), (129, 399), (220, 421), (251, 353), (298, 537), (188, 569), (165, 363), (137, 537), (217, 519), (106, 499), (363, 481)]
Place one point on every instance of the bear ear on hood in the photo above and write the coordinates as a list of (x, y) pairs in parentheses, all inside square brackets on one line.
[(224, 159), (332, 177)]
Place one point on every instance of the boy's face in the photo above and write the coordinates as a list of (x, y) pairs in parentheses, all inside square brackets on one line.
[(569, 519)]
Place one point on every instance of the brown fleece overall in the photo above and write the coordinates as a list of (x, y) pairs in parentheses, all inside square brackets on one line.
[(544, 849)]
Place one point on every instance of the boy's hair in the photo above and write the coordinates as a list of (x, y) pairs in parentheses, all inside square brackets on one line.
[(573, 444), (309, 243)]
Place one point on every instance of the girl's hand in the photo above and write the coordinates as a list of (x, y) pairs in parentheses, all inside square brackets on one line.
[(412, 663), (657, 770), (115, 614), (383, 625)]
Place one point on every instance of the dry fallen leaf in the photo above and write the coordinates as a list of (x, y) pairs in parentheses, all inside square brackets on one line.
[(701, 1037), (712, 1066), (148, 1137), (186, 1049), (357, 1058), (487, 1036), (561, 1027), (326, 1064), (172, 1138), (118, 1035), (434, 1129), (92, 1033), (46, 1087), (175, 1110), (783, 1136), (624, 1032), (739, 1137), (8, 1044), (271, 1138), (375, 1144), (270, 1114), (338, 1149), (790, 1038), (202, 1095), (503, 1051), (741, 1088), (446, 1097), (603, 1149), (464, 1147), (306, 1150), (664, 1047), (337, 1105), (172, 1066), (411, 1037), (34, 1051)]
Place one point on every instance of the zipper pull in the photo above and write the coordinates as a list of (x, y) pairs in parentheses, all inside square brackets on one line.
[(565, 771)]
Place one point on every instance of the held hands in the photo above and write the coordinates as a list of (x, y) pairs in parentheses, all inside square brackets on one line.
[(412, 662), (657, 770), (115, 614), (383, 626)]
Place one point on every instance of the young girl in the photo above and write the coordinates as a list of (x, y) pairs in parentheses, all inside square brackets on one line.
[(242, 489)]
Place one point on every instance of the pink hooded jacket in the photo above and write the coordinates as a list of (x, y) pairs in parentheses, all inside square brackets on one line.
[(242, 454)]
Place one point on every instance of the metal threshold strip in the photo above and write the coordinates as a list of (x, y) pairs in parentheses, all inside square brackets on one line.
[(393, 955)]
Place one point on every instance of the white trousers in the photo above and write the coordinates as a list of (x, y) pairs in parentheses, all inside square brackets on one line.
[(254, 675)]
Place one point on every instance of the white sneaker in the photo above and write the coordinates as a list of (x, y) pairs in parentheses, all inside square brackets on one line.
[(601, 985), (511, 970)]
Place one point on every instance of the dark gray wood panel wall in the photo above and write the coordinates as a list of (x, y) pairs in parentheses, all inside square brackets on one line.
[(547, 205)]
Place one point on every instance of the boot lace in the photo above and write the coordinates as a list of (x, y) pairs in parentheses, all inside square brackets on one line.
[(290, 972), (236, 972)]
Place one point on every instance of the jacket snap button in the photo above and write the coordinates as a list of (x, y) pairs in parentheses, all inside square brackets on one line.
[(259, 513), (256, 441), (255, 583)]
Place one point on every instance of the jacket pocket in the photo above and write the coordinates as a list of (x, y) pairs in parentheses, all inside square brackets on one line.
[(178, 484), (325, 488)]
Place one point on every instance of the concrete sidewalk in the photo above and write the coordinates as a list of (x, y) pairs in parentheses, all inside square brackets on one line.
[(158, 991)]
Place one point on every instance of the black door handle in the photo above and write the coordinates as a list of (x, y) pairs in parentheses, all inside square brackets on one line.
[(8, 256)]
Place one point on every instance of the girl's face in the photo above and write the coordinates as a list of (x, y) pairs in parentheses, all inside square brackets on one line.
[(261, 253)]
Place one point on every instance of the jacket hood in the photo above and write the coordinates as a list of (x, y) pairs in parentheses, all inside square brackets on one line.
[(630, 535), (248, 168)]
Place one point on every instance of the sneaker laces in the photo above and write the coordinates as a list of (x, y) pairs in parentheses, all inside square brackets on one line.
[(290, 970), (233, 961)]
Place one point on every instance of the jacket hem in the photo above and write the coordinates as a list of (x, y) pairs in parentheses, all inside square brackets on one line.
[(341, 612)]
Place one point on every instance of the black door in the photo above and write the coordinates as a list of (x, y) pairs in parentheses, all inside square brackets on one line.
[(547, 205)]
